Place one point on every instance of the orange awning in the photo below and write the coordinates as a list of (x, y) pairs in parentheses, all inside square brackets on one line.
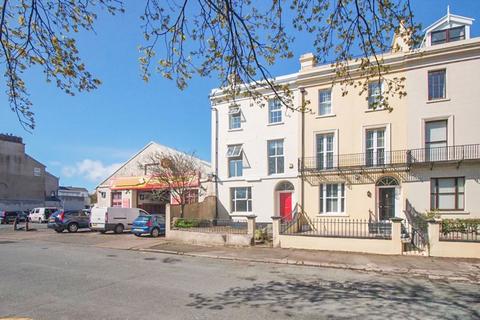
[(140, 183)]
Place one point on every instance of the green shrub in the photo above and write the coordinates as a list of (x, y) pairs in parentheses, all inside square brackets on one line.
[(460, 225), (186, 223)]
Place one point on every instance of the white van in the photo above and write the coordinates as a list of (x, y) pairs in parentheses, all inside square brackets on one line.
[(41, 215), (113, 219)]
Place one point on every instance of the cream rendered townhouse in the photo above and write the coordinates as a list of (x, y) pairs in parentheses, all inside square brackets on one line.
[(355, 160), (255, 155), (363, 162)]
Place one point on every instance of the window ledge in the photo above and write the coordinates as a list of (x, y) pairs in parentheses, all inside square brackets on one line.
[(275, 123), (453, 212), (438, 100), (331, 115), (375, 110), (233, 130), (277, 175), (235, 179), (332, 215)]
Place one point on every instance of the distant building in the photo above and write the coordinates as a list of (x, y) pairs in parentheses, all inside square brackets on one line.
[(24, 182), (73, 198), (132, 187)]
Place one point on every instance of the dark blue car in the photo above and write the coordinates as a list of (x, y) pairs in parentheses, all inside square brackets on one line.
[(68, 220), (152, 224)]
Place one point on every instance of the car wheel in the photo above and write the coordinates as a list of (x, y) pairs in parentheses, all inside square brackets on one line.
[(59, 230), (155, 232), (118, 228), (138, 234), (72, 227)]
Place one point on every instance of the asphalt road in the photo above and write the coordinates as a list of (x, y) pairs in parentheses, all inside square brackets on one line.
[(57, 279)]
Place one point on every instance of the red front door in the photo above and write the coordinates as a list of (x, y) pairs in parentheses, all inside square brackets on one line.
[(286, 205)]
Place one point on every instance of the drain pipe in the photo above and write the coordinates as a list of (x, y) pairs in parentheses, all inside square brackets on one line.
[(216, 161), (302, 161)]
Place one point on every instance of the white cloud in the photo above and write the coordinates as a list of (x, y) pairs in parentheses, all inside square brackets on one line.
[(91, 170)]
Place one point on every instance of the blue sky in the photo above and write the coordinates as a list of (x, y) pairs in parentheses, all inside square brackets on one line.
[(83, 138)]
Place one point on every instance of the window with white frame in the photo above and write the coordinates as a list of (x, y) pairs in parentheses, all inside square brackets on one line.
[(274, 111), (325, 102), (375, 147), (332, 198), (447, 193), (235, 160), (324, 145), (241, 199), (436, 140), (437, 88), (374, 94), (276, 161), (234, 117)]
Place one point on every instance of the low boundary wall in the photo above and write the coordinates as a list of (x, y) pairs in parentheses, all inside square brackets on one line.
[(452, 249), (391, 246), (210, 238)]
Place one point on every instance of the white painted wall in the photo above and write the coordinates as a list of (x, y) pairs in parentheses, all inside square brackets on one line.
[(253, 135)]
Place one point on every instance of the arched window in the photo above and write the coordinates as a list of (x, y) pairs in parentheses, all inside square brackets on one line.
[(387, 181), (284, 186)]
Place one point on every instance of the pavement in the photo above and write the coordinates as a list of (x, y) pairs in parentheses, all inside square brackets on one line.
[(445, 269), (68, 277), (465, 270)]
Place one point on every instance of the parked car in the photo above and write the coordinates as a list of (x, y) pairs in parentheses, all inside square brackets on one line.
[(151, 224), (7, 217), (114, 219), (42, 214), (70, 220)]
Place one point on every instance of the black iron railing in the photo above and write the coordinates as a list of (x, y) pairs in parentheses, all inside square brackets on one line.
[(381, 159), (466, 234), (225, 226), (339, 228)]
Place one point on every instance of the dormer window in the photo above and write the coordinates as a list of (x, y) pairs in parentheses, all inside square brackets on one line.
[(448, 35), (449, 28)]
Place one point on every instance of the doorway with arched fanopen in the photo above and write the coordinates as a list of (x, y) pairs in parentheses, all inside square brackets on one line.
[(284, 197), (387, 191)]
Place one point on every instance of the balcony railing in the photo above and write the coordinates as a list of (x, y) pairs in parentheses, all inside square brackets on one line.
[(382, 159)]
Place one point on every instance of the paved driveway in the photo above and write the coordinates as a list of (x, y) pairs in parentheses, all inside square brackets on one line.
[(76, 279)]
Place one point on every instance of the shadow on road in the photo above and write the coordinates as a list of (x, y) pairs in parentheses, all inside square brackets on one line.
[(344, 300)]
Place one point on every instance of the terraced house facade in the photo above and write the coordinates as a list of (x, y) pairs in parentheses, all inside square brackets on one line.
[(359, 161), (370, 163)]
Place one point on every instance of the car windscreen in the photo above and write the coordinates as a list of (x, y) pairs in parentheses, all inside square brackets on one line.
[(143, 218)]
